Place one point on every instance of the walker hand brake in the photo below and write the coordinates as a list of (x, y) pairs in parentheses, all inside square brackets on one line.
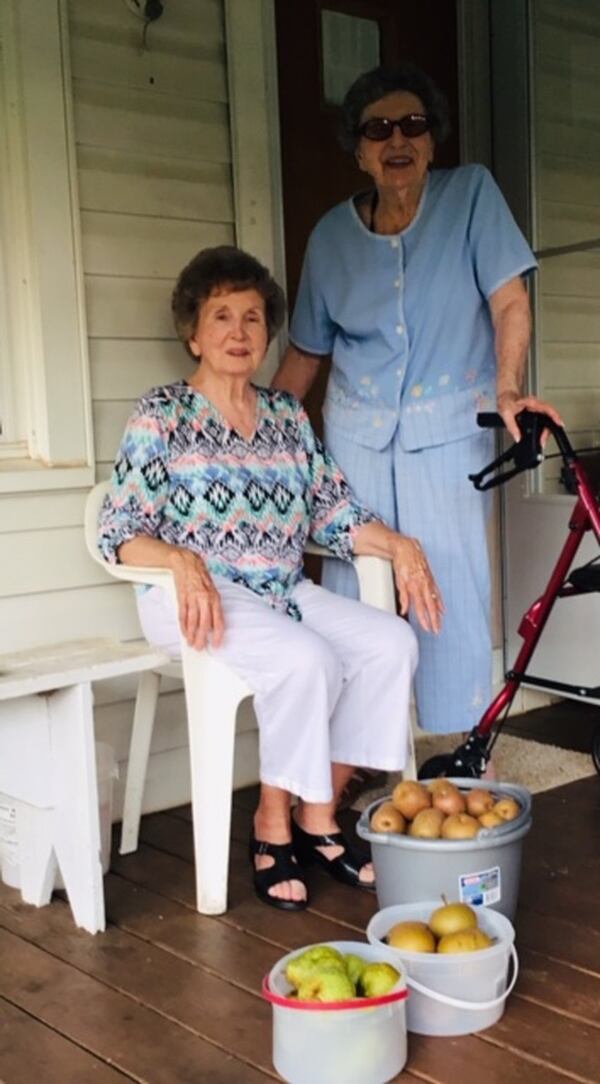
[(525, 454)]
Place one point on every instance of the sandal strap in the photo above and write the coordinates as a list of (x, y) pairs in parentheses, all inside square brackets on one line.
[(331, 839), (285, 866)]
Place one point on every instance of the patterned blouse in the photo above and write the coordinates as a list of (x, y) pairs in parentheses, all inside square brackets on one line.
[(246, 506)]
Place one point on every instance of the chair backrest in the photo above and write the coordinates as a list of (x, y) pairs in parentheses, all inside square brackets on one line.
[(93, 505)]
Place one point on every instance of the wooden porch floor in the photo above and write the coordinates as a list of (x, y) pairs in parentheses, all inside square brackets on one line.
[(167, 996)]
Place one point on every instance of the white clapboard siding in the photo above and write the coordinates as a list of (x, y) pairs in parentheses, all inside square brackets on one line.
[(123, 308), (175, 65), (31, 619), (109, 421), (557, 174), (124, 368), (162, 124), (144, 246), (185, 24), (567, 176), (142, 185), (572, 365), (50, 560), (40, 511)]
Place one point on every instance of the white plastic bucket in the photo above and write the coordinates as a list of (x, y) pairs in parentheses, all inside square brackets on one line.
[(355, 1042), (458, 993), (10, 867), (9, 844)]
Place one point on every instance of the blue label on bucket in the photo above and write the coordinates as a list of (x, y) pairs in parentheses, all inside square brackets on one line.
[(480, 888)]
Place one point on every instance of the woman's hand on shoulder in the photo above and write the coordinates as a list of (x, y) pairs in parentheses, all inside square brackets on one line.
[(415, 583), (200, 610)]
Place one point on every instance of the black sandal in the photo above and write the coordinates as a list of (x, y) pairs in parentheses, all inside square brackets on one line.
[(345, 868), (285, 868)]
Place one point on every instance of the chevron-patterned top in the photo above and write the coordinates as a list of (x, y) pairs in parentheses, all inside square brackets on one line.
[(247, 506)]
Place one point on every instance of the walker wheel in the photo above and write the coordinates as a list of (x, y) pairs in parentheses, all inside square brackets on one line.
[(596, 749), (445, 766)]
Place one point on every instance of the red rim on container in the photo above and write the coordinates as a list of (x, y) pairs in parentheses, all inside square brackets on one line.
[(330, 1006)]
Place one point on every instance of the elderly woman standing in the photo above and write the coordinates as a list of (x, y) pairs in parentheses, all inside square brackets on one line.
[(222, 482), (415, 289)]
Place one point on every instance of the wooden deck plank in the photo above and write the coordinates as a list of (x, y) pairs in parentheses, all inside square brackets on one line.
[(31, 1051), (472, 1059), (549, 1037), (136, 1040), (565, 989)]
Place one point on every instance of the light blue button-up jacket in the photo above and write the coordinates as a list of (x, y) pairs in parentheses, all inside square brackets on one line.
[(406, 317)]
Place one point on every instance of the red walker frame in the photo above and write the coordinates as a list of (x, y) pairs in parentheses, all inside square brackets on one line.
[(579, 476)]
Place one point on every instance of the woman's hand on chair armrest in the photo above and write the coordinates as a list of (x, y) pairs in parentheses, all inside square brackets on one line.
[(414, 579), (199, 603)]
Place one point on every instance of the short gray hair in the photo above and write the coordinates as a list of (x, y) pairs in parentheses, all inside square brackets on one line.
[(376, 84)]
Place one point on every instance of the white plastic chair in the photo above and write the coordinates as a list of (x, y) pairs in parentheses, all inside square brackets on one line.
[(213, 693)]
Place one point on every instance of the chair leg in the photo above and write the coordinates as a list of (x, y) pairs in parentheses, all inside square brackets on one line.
[(139, 751), (410, 768), (213, 694)]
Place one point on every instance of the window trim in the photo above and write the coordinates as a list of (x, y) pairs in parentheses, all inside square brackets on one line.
[(45, 295)]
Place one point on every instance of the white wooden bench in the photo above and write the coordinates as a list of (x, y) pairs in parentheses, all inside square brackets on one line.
[(48, 765)]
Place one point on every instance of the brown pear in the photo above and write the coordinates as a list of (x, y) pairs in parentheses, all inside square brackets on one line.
[(427, 824), (464, 941), (387, 818), (490, 819), (412, 937), (460, 826), (479, 801), (409, 797), (507, 808), (449, 799)]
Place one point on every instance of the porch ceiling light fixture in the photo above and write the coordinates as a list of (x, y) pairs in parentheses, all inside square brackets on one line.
[(148, 10)]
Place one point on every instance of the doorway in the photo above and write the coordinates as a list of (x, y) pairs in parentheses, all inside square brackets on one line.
[(322, 46)]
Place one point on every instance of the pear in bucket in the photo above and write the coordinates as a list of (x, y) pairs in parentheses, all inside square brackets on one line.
[(300, 967), (355, 966), (409, 797), (327, 983), (464, 941), (378, 979), (411, 937), (386, 818), (451, 918), (507, 808), (427, 824)]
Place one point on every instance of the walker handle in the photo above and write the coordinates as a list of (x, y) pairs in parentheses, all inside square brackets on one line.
[(524, 455)]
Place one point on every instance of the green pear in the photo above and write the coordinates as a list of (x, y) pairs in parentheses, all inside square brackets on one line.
[(378, 979), (355, 966), (301, 966), (327, 983)]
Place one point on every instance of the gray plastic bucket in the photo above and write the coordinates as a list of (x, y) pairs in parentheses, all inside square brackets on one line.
[(482, 871)]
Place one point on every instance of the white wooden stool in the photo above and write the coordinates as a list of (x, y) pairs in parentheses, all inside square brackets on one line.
[(47, 762)]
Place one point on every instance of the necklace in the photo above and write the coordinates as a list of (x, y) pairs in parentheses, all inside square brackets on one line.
[(373, 204)]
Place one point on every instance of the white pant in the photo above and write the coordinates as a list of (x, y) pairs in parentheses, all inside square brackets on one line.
[(333, 687)]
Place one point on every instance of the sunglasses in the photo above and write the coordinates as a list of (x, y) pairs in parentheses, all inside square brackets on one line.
[(380, 128)]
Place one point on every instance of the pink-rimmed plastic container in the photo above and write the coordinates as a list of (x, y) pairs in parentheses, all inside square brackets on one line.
[(361, 1041)]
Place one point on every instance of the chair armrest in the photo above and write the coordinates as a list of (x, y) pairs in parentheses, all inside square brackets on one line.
[(155, 577), (375, 578)]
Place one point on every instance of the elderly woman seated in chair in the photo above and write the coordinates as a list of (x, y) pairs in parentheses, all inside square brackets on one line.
[(223, 482)]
